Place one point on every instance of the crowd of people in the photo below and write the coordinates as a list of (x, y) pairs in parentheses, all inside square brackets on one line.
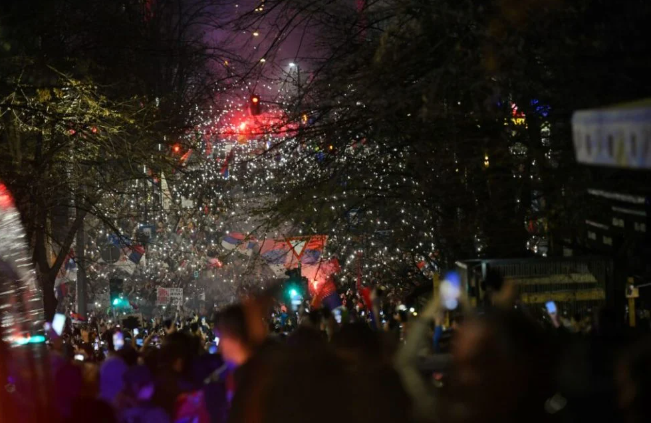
[(183, 250), (260, 361)]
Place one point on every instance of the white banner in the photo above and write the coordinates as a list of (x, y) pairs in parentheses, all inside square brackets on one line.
[(169, 296)]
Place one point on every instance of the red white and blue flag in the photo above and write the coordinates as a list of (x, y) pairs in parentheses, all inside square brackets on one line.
[(232, 240), (136, 252)]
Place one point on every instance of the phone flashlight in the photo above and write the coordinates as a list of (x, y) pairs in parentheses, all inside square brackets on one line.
[(118, 341), (212, 349), (58, 323)]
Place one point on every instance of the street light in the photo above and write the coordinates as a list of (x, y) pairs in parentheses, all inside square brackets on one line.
[(292, 65)]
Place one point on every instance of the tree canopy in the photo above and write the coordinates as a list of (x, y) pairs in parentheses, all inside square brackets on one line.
[(439, 130)]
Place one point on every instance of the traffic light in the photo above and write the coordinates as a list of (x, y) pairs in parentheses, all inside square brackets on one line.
[(115, 292), (294, 285), (254, 105), (293, 274)]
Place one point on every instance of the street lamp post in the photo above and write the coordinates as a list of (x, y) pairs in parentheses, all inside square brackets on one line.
[(293, 65)]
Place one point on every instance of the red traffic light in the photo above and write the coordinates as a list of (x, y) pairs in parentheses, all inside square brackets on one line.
[(254, 105)]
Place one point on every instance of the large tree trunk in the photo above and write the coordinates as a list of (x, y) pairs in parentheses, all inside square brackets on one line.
[(44, 275), (47, 274)]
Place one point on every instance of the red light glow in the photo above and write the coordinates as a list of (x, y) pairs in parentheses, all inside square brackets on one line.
[(6, 200)]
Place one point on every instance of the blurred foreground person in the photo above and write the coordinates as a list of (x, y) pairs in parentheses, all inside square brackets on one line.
[(176, 391), (377, 388), (249, 356), (501, 371), (233, 333), (112, 371), (499, 293), (135, 402), (633, 377), (410, 363), (305, 383), (92, 410)]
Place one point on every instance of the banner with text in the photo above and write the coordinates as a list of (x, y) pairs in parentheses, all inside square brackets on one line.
[(169, 296)]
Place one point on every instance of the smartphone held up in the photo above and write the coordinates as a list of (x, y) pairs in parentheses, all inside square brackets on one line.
[(450, 290), (58, 323)]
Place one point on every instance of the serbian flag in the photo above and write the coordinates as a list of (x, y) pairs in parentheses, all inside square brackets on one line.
[(69, 261), (246, 247), (275, 251), (136, 252), (60, 289), (283, 254), (310, 257), (306, 249), (322, 286), (232, 240), (69, 264), (76, 316), (224, 169), (327, 296), (320, 272)]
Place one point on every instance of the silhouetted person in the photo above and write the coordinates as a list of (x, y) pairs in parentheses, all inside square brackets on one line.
[(501, 371)]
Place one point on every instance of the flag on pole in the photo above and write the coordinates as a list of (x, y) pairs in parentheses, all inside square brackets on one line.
[(136, 252), (288, 253), (319, 273), (232, 240), (60, 289), (326, 296), (224, 169)]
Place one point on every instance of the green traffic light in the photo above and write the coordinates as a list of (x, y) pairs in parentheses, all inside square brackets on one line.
[(293, 293), (116, 301), (36, 339)]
